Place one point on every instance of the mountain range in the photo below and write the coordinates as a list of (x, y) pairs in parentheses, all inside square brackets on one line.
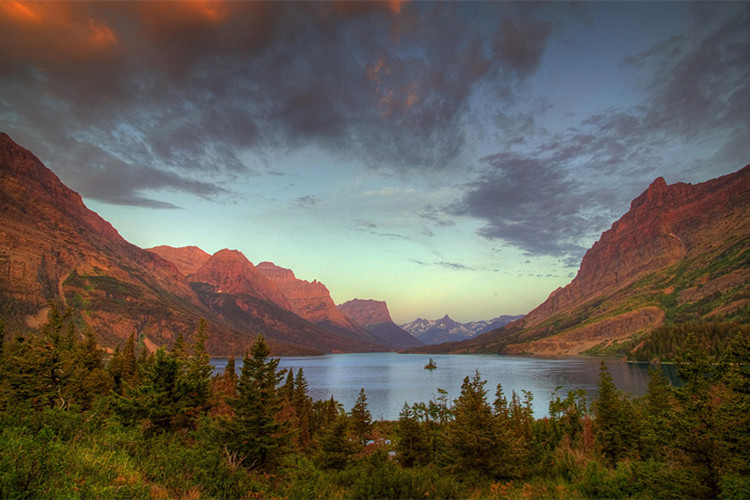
[(53, 248), (680, 254), (447, 330), (375, 317)]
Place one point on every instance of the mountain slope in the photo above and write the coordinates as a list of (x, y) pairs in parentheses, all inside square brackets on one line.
[(52, 247), (681, 253), (373, 315), (446, 329), (313, 302)]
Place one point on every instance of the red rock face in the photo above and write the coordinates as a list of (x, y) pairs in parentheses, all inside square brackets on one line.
[(366, 312), (667, 249), (663, 226), (311, 301), (47, 232), (187, 259), (229, 271)]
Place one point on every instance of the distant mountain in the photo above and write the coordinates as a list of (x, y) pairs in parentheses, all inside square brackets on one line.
[(373, 315), (312, 301), (680, 254), (53, 248), (447, 330)]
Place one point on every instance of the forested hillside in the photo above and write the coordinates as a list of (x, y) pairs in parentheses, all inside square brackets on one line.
[(75, 424)]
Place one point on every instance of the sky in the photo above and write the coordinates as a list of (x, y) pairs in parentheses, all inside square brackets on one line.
[(446, 157)]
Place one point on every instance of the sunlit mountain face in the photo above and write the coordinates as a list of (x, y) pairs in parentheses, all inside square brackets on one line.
[(445, 157)]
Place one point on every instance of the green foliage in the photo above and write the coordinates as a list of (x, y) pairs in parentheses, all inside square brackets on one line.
[(162, 427), (665, 342), (615, 422), (256, 435), (412, 439), (470, 437), (361, 420)]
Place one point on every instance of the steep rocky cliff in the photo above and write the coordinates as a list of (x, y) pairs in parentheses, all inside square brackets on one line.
[(374, 316), (229, 271), (312, 301), (681, 253)]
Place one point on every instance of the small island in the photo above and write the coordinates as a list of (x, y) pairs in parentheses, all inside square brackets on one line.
[(431, 365)]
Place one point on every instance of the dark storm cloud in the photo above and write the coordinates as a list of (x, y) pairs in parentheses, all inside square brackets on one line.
[(211, 87), (529, 203), (548, 199)]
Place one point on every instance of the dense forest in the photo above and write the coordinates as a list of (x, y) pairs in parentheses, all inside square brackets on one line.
[(77, 423)]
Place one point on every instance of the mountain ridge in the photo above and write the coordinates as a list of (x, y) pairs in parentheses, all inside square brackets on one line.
[(681, 253), (374, 316), (54, 248), (446, 329)]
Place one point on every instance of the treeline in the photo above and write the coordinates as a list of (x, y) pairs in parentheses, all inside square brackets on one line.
[(666, 342), (77, 424)]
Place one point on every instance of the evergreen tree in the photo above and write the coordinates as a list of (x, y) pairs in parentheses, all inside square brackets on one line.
[(613, 423), (697, 423), (255, 433), (512, 425), (361, 420), (303, 408), (335, 447), (412, 443), (194, 379), (470, 437), (658, 428), (287, 390)]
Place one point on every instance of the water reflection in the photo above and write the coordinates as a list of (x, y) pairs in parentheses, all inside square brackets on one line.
[(391, 379)]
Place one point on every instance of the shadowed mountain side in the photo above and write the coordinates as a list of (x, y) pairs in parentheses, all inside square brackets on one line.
[(251, 313), (374, 316), (681, 253)]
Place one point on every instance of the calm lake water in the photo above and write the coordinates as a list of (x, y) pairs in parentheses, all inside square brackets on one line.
[(391, 379)]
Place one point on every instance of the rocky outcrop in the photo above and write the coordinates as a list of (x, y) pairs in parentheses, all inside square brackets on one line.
[(374, 316), (229, 271), (312, 301), (187, 259), (680, 252), (366, 312)]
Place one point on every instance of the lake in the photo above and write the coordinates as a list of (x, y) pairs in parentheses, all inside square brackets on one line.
[(390, 379)]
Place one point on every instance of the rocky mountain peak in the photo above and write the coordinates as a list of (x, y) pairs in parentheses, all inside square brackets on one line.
[(680, 251), (310, 300), (229, 271), (366, 312)]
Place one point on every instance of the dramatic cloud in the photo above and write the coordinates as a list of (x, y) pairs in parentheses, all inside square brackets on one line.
[(200, 87), (551, 198)]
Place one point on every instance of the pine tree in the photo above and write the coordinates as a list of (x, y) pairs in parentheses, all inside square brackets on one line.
[(335, 447), (470, 437), (658, 430), (697, 423), (303, 409), (412, 443), (255, 433), (361, 420)]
